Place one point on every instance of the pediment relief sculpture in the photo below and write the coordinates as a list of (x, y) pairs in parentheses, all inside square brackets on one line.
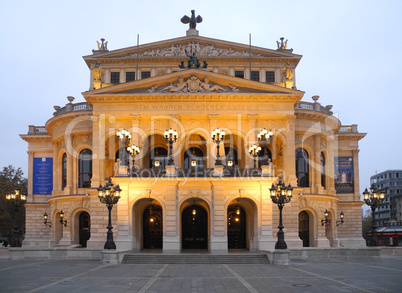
[(192, 85), (194, 48)]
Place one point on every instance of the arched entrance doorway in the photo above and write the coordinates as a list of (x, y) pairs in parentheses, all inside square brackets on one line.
[(152, 227), (194, 228), (236, 227), (84, 228), (304, 231)]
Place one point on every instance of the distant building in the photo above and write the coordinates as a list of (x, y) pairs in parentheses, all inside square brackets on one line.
[(391, 208)]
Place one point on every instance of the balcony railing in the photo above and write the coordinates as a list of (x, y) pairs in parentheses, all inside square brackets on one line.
[(73, 108), (314, 107), (37, 130), (349, 128)]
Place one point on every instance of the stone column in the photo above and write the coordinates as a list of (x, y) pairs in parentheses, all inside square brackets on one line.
[(316, 166), (356, 174), (289, 157), (30, 199), (123, 240), (274, 154), (329, 168), (98, 150), (172, 215), (266, 240), (218, 240), (70, 164), (56, 172)]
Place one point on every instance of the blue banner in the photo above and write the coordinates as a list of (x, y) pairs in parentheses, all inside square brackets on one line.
[(344, 175), (43, 176)]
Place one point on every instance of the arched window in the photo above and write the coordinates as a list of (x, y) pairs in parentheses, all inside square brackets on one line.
[(127, 155), (302, 168), (231, 154), (64, 171), (322, 170), (158, 158), (84, 168), (193, 154)]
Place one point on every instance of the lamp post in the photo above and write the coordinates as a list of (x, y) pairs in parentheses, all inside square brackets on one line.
[(254, 150), (372, 199), (217, 137), (171, 138), (264, 136), (18, 199), (124, 136), (134, 151), (281, 194), (109, 195)]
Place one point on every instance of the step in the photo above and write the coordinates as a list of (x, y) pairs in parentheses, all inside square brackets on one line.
[(155, 258)]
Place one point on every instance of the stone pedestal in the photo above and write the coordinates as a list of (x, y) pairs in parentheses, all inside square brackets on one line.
[(289, 84), (280, 257), (192, 32), (218, 170), (266, 170), (122, 170), (170, 171)]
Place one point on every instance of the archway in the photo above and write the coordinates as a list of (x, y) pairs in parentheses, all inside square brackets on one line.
[(84, 229), (304, 228), (194, 227), (152, 227), (236, 226)]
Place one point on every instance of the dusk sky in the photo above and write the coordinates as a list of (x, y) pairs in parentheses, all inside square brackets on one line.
[(350, 57)]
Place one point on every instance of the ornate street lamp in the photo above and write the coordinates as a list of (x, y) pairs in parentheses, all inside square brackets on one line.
[(254, 150), (133, 151), (264, 137), (372, 199), (326, 220), (171, 138), (18, 199), (124, 136), (280, 194), (62, 221), (342, 219), (109, 195), (45, 221), (217, 137)]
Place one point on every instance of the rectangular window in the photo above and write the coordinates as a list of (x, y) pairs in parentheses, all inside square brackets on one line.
[(115, 77), (145, 74), (270, 76), (130, 76), (255, 75), (239, 74)]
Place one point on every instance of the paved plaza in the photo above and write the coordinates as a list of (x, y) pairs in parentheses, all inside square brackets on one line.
[(325, 276)]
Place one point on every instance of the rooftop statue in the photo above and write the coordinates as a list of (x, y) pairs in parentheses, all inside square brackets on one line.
[(192, 20)]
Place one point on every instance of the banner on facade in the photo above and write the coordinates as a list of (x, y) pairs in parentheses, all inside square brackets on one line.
[(43, 175), (344, 175)]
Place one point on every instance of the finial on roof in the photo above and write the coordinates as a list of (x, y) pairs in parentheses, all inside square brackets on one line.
[(192, 21), (101, 46), (283, 45)]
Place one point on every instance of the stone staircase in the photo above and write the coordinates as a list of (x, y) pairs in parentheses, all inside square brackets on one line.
[(201, 258)]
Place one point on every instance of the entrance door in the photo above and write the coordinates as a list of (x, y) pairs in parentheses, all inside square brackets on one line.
[(304, 232), (194, 228), (152, 227), (236, 227), (84, 228)]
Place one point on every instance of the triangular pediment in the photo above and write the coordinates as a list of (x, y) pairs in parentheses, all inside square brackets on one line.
[(178, 47), (192, 81)]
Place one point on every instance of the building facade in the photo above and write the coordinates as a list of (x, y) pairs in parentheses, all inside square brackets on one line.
[(196, 192), (390, 210)]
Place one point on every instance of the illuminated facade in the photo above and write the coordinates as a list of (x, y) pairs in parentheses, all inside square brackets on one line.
[(189, 200)]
